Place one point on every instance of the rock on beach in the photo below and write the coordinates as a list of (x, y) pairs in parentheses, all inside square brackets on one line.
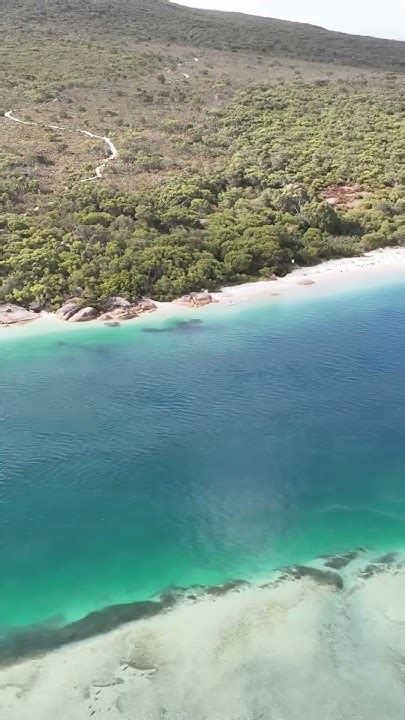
[(84, 314), (13, 314), (196, 299)]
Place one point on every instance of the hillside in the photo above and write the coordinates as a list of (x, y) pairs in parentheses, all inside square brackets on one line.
[(155, 20), (243, 144)]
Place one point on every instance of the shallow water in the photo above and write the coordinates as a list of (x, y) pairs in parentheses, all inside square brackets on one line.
[(134, 460)]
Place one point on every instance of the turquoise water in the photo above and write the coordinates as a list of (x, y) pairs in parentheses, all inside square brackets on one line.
[(132, 459)]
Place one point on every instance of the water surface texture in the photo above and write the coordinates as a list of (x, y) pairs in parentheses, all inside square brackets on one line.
[(134, 459)]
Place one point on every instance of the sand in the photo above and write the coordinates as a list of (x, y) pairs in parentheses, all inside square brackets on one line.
[(296, 650), (332, 276)]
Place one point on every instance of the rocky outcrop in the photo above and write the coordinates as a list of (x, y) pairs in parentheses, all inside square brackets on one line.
[(196, 299), (35, 306), (83, 315), (13, 314), (68, 309), (128, 311), (338, 562), (117, 302), (115, 309), (73, 311), (146, 305), (120, 313)]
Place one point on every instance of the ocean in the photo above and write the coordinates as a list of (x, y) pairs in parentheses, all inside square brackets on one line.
[(175, 453)]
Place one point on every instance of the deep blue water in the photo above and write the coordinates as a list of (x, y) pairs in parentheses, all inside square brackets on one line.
[(131, 460)]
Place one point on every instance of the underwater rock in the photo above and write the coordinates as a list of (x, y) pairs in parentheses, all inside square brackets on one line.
[(229, 586), (323, 577), (182, 326), (338, 562), (175, 593), (388, 559), (381, 564), (43, 638)]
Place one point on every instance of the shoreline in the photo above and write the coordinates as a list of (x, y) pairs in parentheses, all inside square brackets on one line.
[(337, 570), (210, 648), (331, 277)]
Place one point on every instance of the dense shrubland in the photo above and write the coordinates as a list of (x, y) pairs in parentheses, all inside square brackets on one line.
[(284, 144), (159, 20), (280, 153)]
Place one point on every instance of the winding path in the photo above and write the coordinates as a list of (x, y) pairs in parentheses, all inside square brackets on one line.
[(98, 171)]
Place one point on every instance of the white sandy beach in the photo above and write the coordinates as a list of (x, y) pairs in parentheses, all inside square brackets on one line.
[(379, 267), (297, 650), (332, 276)]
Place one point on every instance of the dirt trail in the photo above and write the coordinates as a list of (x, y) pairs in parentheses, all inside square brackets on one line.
[(98, 171)]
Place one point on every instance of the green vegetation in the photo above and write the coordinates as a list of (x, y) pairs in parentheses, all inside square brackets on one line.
[(215, 183), (160, 21)]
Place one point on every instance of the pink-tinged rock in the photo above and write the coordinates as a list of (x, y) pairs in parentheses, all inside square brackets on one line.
[(196, 299)]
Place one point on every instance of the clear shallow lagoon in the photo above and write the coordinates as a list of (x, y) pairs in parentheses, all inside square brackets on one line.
[(132, 460)]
